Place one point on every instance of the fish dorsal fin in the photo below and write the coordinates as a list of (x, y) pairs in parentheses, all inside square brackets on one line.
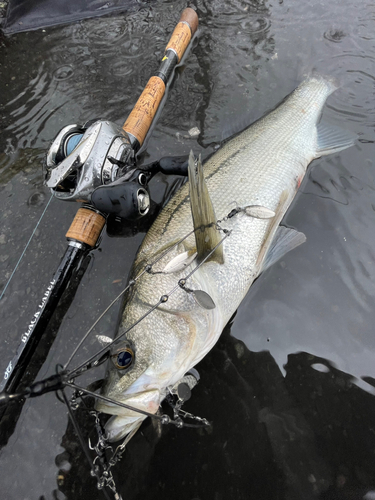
[(206, 234), (284, 241), (332, 139)]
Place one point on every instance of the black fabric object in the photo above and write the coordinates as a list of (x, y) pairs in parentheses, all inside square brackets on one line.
[(26, 15)]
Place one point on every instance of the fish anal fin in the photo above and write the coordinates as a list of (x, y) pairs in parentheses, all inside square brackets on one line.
[(284, 241), (204, 219)]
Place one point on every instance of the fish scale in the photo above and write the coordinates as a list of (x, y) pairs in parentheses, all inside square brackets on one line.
[(264, 165)]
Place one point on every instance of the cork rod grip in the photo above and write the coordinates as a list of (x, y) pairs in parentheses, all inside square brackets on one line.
[(183, 32), (86, 227), (140, 119)]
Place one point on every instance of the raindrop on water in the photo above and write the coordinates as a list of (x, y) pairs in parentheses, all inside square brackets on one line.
[(255, 25), (334, 35), (36, 199), (63, 73)]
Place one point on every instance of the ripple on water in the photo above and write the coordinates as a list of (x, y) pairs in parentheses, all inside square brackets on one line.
[(255, 25), (132, 48), (31, 109), (112, 31), (334, 35), (36, 199), (63, 73), (121, 68)]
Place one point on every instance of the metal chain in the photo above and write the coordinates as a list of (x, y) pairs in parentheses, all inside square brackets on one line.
[(186, 414), (106, 479), (104, 465)]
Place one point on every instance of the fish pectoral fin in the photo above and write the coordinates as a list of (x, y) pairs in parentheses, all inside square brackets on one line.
[(333, 139), (284, 241), (179, 262), (207, 235)]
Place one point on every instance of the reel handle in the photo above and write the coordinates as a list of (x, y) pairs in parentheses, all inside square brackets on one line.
[(140, 118)]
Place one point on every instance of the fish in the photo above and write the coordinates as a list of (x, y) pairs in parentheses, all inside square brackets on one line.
[(221, 230)]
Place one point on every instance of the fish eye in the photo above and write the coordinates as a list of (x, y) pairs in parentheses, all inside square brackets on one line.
[(123, 359)]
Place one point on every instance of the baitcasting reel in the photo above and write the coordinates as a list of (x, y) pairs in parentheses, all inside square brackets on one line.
[(95, 163)]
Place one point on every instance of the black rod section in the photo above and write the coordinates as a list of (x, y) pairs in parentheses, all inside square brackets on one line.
[(42, 316), (167, 65)]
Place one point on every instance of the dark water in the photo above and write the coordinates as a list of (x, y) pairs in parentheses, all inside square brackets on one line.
[(290, 385)]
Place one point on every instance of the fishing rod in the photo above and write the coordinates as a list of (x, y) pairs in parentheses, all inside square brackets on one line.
[(96, 164), (105, 457)]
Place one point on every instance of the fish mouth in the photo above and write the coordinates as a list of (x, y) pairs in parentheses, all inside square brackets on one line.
[(125, 421)]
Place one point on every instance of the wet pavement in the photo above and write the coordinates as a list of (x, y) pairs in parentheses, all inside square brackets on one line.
[(290, 385)]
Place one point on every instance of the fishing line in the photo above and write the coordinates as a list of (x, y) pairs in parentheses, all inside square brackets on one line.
[(27, 244), (93, 326)]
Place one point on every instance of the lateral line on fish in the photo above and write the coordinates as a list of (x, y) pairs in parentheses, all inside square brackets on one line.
[(220, 166)]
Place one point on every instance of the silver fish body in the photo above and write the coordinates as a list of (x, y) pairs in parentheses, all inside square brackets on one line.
[(263, 166)]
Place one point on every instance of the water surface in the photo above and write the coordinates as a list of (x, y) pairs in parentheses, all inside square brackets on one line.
[(290, 385)]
